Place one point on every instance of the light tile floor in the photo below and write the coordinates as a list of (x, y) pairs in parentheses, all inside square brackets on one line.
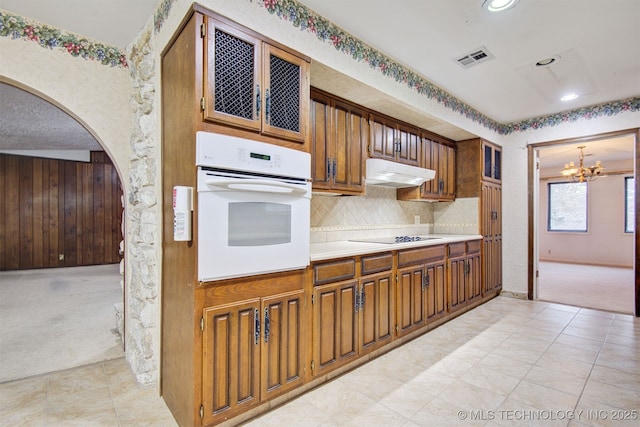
[(506, 363)]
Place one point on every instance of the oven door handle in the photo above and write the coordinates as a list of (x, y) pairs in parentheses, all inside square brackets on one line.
[(259, 185)]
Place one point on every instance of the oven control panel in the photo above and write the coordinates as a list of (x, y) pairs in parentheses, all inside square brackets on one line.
[(239, 154)]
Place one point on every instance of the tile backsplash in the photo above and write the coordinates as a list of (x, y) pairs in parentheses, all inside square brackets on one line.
[(378, 213)]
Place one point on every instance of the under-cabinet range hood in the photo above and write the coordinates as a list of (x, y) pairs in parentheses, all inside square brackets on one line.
[(397, 175)]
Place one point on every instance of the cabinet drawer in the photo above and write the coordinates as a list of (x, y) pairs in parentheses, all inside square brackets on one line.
[(421, 255), (473, 247), (376, 263), (334, 271), (457, 249)]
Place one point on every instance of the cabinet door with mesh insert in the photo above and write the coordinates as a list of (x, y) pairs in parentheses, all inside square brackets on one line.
[(286, 95), (232, 77)]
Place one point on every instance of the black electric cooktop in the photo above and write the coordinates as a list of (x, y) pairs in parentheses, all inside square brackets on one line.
[(395, 239)]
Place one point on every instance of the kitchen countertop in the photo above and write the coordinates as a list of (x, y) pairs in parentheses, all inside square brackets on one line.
[(344, 248)]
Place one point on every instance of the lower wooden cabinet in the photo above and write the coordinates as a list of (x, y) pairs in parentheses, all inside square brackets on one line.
[(436, 289), (409, 294), (252, 351), (473, 278), (260, 335), (492, 262), (376, 311), (231, 360), (335, 325), (351, 317), (282, 344), (421, 288), (464, 284)]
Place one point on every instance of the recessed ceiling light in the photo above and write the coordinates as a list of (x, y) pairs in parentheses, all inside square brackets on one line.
[(498, 5), (569, 97), (547, 61)]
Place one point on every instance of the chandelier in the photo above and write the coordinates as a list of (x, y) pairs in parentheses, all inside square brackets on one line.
[(582, 173)]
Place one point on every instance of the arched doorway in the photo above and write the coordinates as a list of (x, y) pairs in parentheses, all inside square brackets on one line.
[(62, 217)]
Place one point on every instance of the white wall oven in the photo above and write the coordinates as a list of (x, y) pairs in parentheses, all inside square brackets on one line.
[(253, 207)]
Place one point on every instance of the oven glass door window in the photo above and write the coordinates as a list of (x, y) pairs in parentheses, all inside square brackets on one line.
[(259, 223)]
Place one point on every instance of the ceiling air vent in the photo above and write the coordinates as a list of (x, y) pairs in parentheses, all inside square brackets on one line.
[(476, 56)]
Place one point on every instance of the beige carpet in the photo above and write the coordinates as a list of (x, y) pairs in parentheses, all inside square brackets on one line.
[(603, 288), (57, 318)]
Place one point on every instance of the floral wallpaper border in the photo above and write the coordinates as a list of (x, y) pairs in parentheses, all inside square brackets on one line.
[(305, 19), (18, 27)]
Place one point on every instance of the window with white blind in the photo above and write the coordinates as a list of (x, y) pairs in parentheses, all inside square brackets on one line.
[(567, 206), (629, 204)]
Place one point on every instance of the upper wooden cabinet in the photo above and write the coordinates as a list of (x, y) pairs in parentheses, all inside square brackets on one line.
[(479, 161), (492, 162), (394, 141), (251, 84), (339, 136), (440, 157)]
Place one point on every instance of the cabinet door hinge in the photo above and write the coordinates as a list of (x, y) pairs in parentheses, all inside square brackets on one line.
[(201, 412), (368, 148), (396, 278), (203, 30), (397, 329), (313, 299), (313, 366), (203, 103), (202, 324)]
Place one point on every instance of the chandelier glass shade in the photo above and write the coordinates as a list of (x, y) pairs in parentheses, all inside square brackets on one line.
[(582, 173)]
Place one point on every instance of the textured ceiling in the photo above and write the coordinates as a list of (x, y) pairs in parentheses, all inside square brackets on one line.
[(28, 122)]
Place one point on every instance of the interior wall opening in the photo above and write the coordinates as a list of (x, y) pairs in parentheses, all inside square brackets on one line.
[(61, 241), (582, 234)]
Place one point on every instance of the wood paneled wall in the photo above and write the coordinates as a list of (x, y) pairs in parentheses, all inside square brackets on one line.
[(58, 213)]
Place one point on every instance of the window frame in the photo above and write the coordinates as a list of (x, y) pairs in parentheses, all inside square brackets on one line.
[(586, 208), (627, 180)]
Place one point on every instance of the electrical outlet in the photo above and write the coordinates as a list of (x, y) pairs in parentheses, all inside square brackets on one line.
[(416, 219)]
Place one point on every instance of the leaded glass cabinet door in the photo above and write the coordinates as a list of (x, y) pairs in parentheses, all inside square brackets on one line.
[(232, 80), (286, 94)]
